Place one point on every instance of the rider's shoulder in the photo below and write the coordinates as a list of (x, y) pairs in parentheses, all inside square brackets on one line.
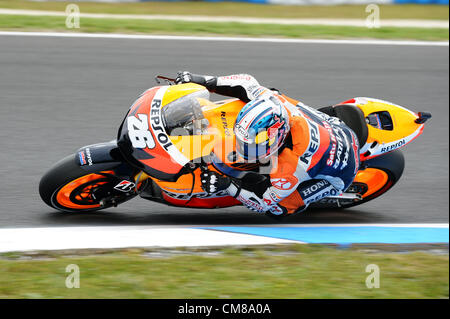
[(300, 134)]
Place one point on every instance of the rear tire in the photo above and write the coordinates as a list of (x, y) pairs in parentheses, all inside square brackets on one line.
[(390, 165), (68, 187)]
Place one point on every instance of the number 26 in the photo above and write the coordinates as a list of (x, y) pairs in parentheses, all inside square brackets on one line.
[(138, 132)]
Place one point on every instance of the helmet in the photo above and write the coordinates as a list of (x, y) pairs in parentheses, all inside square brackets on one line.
[(261, 128)]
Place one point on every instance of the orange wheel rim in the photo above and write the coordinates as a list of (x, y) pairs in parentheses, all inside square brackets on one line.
[(374, 178), (65, 195)]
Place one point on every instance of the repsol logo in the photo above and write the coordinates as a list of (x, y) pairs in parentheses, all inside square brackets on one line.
[(331, 192), (313, 145), (223, 117), (89, 156), (393, 146), (158, 129)]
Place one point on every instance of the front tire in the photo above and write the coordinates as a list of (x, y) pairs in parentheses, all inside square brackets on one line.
[(67, 187)]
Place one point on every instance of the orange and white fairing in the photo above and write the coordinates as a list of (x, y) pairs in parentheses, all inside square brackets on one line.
[(167, 158)]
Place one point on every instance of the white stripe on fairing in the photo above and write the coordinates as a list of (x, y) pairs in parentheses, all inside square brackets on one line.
[(385, 102), (58, 238), (173, 151), (377, 150), (224, 39)]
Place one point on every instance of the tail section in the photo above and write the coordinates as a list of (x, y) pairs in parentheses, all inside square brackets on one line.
[(390, 126)]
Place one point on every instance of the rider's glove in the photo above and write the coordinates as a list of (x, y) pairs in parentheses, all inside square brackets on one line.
[(212, 182), (187, 77), (183, 77)]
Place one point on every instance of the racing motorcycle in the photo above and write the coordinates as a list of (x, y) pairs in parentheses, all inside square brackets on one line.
[(172, 133)]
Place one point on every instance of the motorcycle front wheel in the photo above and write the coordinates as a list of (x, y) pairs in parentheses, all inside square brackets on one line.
[(69, 188)]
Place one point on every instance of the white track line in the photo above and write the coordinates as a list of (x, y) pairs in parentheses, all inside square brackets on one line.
[(222, 39), (427, 225), (62, 238)]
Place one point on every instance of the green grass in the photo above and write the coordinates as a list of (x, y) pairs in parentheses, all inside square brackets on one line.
[(32, 23), (438, 12), (304, 272)]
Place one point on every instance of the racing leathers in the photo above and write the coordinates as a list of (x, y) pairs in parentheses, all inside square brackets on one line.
[(319, 158)]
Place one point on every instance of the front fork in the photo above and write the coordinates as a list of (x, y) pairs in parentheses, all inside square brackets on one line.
[(106, 159)]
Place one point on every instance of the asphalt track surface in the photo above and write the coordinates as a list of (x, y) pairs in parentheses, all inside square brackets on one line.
[(58, 94)]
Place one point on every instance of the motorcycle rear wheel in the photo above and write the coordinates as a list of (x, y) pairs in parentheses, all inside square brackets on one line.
[(378, 176)]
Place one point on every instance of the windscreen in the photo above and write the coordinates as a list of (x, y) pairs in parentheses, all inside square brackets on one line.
[(184, 116)]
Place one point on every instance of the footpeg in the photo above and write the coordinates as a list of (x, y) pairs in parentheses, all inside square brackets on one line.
[(347, 196)]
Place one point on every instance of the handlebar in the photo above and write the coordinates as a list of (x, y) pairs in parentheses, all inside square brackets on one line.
[(168, 80)]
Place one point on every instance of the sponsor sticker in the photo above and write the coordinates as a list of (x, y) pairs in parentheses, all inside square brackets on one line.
[(85, 157), (314, 189), (250, 203), (223, 118), (241, 131), (157, 127), (276, 210), (182, 196), (274, 196), (273, 130), (281, 183), (124, 186), (82, 158), (392, 146), (332, 155), (89, 157), (331, 192), (313, 144), (244, 77)]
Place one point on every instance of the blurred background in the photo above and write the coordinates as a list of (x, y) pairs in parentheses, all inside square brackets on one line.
[(59, 93)]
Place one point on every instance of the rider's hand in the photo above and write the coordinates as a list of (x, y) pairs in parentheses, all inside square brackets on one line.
[(188, 77), (183, 77), (212, 182)]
